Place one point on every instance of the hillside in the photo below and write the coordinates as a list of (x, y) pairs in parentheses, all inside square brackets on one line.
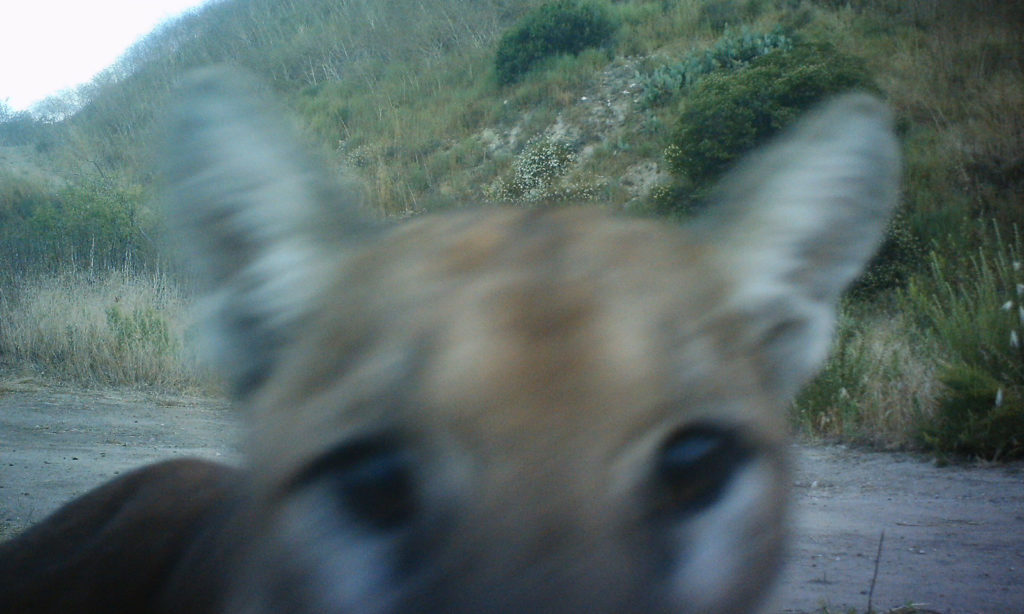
[(413, 97), (406, 91)]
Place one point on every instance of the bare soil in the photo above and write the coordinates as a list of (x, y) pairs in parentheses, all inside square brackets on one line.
[(954, 536)]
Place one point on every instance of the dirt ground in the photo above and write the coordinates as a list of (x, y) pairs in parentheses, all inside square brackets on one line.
[(954, 536)]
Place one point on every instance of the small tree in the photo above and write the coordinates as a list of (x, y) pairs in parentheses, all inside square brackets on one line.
[(564, 26)]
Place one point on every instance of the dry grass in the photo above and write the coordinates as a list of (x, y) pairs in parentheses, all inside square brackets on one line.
[(901, 385), (878, 385), (113, 330)]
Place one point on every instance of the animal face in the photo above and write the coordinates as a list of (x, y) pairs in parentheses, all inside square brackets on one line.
[(520, 410), (495, 410)]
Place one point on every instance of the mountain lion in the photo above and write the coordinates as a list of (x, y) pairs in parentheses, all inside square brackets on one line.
[(490, 410)]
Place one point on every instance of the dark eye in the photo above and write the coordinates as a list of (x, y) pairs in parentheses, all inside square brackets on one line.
[(372, 480), (695, 464)]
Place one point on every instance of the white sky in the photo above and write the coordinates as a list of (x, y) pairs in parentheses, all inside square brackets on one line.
[(51, 45)]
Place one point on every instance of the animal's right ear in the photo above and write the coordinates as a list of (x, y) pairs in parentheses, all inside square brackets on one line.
[(256, 213), (797, 221)]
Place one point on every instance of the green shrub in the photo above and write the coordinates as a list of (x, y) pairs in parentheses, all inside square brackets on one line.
[(19, 127), (564, 26), (977, 416), (974, 308), (898, 256), (729, 113), (736, 48), (144, 327), (92, 222), (22, 192)]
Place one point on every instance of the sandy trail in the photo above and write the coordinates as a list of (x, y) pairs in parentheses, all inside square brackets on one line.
[(954, 536)]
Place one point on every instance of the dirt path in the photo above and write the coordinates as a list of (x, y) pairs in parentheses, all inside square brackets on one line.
[(954, 536)]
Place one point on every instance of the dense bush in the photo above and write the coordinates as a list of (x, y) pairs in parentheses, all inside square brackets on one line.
[(729, 113), (977, 416), (899, 255), (22, 193), (736, 48), (564, 26)]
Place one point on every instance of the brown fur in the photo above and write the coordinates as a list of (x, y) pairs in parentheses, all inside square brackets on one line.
[(115, 548)]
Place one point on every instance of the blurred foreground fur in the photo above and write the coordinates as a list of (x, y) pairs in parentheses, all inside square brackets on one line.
[(486, 411)]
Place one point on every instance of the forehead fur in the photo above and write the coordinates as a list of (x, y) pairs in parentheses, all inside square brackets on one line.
[(519, 326)]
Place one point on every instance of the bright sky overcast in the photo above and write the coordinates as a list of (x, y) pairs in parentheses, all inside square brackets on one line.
[(50, 45)]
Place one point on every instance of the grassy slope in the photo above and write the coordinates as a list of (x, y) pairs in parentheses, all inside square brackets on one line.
[(404, 93)]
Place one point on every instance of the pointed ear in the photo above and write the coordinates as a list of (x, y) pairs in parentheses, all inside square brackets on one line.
[(797, 222), (255, 213)]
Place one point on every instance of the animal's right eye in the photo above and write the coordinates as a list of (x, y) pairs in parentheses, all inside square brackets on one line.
[(695, 465), (372, 481)]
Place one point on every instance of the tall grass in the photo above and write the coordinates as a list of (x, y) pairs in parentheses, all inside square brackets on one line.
[(878, 385), (112, 330), (941, 367), (973, 308)]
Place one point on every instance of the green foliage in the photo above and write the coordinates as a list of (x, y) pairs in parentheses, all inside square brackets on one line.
[(21, 192), (541, 161), (728, 114), (736, 48), (563, 26), (899, 255), (976, 416), (974, 308), (91, 224), (142, 328)]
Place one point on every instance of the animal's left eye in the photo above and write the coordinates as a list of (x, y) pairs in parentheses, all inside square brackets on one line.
[(372, 480), (694, 466)]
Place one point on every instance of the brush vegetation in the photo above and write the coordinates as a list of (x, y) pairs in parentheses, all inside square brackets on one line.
[(632, 105), (110, 329)]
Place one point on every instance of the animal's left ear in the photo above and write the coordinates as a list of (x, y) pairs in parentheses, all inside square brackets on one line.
[(797, 222), (257, 213)]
